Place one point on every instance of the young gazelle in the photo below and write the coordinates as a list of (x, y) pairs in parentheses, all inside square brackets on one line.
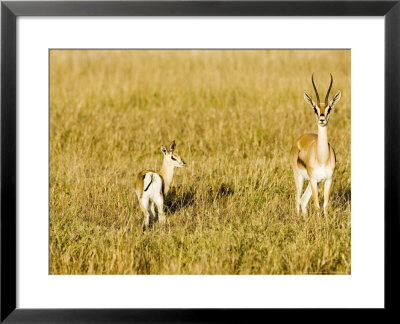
[(312, 156), (152, 187)]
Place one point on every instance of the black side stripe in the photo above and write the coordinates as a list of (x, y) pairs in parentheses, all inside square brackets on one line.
[(301, 162), (151, 176)]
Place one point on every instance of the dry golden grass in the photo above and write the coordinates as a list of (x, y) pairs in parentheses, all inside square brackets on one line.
[(235, 115)]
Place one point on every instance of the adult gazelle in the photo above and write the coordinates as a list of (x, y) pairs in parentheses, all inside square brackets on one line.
[(312, 157)]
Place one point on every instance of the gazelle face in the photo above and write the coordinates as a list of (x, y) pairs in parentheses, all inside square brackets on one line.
[(322, 114), (172, 158), (322, 110)]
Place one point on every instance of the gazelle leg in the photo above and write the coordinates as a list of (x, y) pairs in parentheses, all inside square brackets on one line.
[(144, 205), (299, 180), (305, 198), (327, 191), (314, 188), (152, 211), (159, 201)]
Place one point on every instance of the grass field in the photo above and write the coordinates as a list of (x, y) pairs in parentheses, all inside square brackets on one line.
[(234, 115)]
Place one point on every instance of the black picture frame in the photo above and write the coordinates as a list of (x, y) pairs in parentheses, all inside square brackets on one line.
[(11, 10)]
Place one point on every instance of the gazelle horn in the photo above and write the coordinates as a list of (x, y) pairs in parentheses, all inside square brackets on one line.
[(315, 88), (329, 90)]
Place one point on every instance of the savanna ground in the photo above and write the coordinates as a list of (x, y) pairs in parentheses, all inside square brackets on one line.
[(235, 116)]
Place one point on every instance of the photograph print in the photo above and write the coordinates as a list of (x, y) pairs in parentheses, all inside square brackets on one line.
[(200, 162)]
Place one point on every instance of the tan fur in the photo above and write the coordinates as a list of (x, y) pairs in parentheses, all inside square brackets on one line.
[(304, 153), (322, 107)]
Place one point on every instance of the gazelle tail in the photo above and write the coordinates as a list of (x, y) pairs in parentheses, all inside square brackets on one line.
[(147, 181)]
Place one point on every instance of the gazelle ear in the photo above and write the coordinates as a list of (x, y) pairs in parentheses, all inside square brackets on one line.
[(163, 149), (172, 146), (309, 99), (335, 99)]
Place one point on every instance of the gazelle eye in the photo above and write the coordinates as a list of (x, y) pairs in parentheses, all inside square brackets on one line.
[(173, 158), (315, 110)]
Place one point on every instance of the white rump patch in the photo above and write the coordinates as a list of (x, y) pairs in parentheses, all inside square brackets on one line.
[(153, 183)]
